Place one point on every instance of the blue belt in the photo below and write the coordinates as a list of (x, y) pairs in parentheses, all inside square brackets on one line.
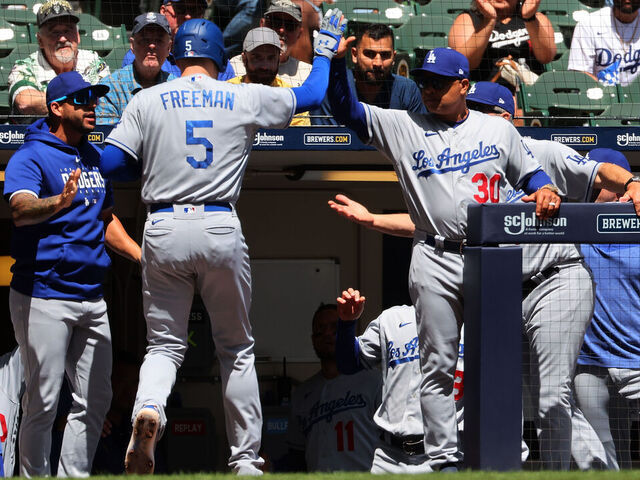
[(208, 207)]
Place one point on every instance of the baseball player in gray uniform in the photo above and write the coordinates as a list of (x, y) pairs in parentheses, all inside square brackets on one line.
[(444, 160), (557, 286), (11, 390), (331, 417), (390, 343), (190, 139)]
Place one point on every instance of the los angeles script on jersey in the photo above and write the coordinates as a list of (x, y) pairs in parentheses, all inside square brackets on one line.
[(398, 355), (447, 161), (326, 410)]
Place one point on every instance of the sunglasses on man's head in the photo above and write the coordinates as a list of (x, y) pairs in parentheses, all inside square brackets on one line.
[(278, 22), (83, 97)]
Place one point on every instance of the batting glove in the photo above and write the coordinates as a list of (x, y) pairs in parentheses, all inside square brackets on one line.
[(328, 38)]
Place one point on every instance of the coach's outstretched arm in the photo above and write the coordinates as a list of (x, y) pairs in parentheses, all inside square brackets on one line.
[(350, 307), (617, 179), (310, 94)]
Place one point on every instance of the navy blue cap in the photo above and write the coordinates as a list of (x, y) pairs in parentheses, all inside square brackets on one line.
[(150, 18), (445, 62), (494, 94), (609, 155), (68, 83)]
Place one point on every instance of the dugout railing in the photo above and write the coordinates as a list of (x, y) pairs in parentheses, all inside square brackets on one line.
[(493, 313)]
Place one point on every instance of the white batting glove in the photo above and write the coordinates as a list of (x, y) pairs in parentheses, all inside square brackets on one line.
[(326, 42)]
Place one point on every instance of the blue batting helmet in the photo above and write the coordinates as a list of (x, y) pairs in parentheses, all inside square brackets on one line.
[(200, 38)]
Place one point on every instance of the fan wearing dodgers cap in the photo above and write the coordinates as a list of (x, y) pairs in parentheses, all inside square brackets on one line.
[(62, 214), (607, 381), (444, 160), (261, 58), (151, 45)]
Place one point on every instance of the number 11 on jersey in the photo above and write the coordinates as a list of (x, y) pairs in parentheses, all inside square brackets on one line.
[(342, 428)]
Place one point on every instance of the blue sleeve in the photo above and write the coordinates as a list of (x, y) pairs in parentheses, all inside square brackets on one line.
[(118, 165), (227, 74), (309, 95), (535, 180), (344, 105), (128, 58), (22, 173), (347, 348)]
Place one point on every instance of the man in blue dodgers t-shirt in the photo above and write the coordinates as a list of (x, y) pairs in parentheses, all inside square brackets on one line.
[(62, 211), (371, 78), (607, 380)]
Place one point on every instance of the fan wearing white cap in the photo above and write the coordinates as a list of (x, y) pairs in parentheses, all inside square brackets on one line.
[(261, 58)]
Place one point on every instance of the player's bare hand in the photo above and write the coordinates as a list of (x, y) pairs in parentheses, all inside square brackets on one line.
[(547, 202), (529, 8), (351, 210), (70, 189), (486, 9), (343, 48), (350, 305), (633, 195)]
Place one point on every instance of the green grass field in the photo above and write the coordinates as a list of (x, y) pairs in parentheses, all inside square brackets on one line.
[(623, 475)]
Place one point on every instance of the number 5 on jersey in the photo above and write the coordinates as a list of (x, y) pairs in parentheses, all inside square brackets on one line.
[(193, 140)]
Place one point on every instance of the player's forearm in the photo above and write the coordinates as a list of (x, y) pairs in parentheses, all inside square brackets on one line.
[(27, 209), (118, 240), (310, 94), (347, 348), (397, 224), (344, 104), (542, 38), (611, 177)]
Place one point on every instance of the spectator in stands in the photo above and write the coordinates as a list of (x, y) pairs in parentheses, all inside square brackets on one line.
[(150, 43), (285, 17), (177, 12), (496, 29), (607, 381), (236, 18), (372, 80), (606, 44), (311, 18), (331, 426), (261, 57), (58, 39)]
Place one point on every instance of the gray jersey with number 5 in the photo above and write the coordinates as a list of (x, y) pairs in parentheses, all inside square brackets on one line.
[(195, 134)]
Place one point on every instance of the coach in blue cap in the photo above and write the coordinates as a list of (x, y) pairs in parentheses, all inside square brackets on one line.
[(62, 214)]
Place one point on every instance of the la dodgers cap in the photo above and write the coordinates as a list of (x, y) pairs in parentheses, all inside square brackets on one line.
[(494, 94), (609, 155), (55, 9), (285, 6), (68, 83), (150, 18), (260, 36), (445, 62)]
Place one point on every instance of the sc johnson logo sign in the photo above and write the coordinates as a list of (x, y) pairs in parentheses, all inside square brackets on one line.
[(628, 140), (327, 139), (12, 137), (532, 225), (267, 140)]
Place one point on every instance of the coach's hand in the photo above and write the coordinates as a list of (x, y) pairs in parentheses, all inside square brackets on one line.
[(633, 195), (547, 202), (352, 210), (350, 305), (326, 42)]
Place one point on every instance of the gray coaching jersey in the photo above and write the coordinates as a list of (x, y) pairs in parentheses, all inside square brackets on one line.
[(193, 135), (390, 342), (574, 175), (332, 421), (442, 167)]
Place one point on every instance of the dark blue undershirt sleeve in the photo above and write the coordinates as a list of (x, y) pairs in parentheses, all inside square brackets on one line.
[(346, 108), (310, 94), (347, 348), (535, 180), (118, 165)]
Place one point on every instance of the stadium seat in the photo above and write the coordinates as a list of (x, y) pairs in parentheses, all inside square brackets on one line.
[(565, 94), (414, 39), (11, 36), (374, 11), (99, 37), (443, 7), (630, 93), (114, 59), (21, 12), (561, 63), (618, 114), (564, 13)]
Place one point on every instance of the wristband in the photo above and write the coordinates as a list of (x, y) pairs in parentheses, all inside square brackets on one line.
[(530, 19), (552, 187)]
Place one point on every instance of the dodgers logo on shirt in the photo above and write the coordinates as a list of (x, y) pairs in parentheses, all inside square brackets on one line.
[(629, 61)]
